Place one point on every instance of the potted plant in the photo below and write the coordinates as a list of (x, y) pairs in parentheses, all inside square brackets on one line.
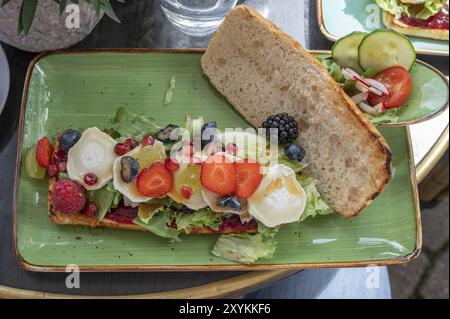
[(39, 25)]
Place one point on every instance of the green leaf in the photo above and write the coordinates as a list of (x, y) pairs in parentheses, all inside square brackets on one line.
[(96, 4), (159, 225), (107, 8), (105, 199), (389, 116), (315, 204), (201, 218), (129, 124), (27, 12), (169, 94), (244, 248)]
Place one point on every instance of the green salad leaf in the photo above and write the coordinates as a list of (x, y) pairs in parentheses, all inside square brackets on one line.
[(390, 116), (129, 124), (315, 204), (244, 248), (397, 8), (334, 69), (105, 198), (159, 225), (169, 94), (200, 218)]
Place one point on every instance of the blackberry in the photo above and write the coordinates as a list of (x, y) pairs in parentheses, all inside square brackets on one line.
[(286, 125)]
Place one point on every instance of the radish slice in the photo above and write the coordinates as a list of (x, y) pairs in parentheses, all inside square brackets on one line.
[(366, 108), (348, 74), (376, 91), (379, 86), (379, 108), (361, 97), (362, 88)]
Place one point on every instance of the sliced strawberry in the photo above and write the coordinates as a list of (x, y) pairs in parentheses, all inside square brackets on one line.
[(44, 151), (155, 181), (219, 175), (249, 178)]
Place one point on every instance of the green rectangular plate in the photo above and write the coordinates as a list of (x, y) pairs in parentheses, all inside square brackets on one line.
[(338, 18), (83, 89)]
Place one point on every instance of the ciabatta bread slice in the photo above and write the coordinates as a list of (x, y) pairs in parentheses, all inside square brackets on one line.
[(392, 23), (262, 71)]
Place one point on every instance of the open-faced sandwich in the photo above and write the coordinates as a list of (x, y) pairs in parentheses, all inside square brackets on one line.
[(316, 154), (419, 18)]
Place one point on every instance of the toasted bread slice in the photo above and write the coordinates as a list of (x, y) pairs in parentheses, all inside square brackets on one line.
[(262, 71), (392, 23), (79, 219)]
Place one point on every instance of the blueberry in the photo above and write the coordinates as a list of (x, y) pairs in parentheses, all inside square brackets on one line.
[(209, 131), (295, 152), (231, 202), (68, 139), (130, 169), (165, 135)]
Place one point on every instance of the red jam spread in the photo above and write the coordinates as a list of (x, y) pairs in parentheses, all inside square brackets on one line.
[(438, 21), (234, 225), (122, 214)]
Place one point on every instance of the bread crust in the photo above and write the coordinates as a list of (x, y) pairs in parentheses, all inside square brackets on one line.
[(392, 23), (251, 18)]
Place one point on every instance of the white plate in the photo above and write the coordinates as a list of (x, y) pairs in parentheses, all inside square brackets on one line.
[(4, 79)]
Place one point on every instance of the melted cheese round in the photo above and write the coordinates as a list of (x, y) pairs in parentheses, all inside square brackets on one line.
[(93, 153), (280, 199)]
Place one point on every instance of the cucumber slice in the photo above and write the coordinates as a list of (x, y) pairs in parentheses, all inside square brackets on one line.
[(386, 48), (345, 51)]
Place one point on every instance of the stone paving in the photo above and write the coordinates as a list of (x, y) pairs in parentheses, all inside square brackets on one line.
[(428, 276)]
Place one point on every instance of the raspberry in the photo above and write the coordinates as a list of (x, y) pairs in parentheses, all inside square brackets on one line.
[(68, 196)]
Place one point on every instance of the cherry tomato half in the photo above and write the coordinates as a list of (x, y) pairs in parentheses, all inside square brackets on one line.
[(399, 83)]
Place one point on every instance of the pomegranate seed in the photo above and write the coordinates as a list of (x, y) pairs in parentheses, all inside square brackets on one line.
[(90, 179), (172, 164), (52, 170), (121, 149), (62, 166), (148, 140), (132, 143), (231, 149), (59, 156), (91, 209), (186, 191)]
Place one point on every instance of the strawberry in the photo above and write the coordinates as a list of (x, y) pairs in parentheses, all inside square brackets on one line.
[(155, 181), (44, 151), (249, 178), (218, 175)]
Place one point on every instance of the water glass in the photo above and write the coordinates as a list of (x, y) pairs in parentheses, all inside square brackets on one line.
[(197, 17)]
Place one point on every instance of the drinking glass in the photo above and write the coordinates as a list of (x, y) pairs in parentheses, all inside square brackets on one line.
[(197, 17)]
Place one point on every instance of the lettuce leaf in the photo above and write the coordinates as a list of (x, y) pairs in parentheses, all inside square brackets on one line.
[(105, 198), (395, 7), (431, 7), (267, 232), (244, 248), (297, 167), (390, 116), (315, 204), (129, 124), (159, 225), (334, 69), (200, 218)]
